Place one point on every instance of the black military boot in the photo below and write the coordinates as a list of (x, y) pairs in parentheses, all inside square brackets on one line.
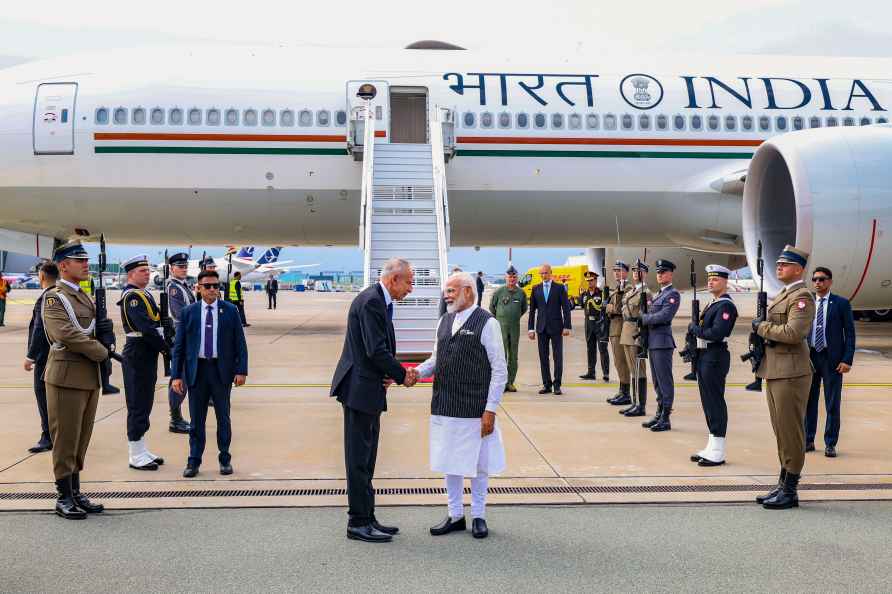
[(788, 496), (177, 423), (773, 493), (81, 500), (622, 397), (639, 409), (65, 505), (662, 423), (655, 419)]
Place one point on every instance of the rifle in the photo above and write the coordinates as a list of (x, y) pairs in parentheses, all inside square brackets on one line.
[(102, 313), (166, 325), (605, 319), (756, 351), (642, 337), (689, 354)]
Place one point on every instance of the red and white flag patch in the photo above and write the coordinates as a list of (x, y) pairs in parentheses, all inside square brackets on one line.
[(801, 304), (672, 300), (726, 316)]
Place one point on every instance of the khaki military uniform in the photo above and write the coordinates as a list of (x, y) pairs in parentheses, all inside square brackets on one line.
[(631, 310), (615, 312), (72, 375), (787, 370)]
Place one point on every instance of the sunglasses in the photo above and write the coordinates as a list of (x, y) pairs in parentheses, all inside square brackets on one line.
[(209, 285), (820, 279)]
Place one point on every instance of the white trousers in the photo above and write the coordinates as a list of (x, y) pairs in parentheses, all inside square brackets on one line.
[(455, 487)]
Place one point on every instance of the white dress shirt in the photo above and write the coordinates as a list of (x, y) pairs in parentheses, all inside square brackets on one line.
[(77, 288), (214, 314), (387, 298), (814, 324), (491, 338)]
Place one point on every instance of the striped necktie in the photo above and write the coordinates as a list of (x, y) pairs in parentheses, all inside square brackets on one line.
[(820, 341)]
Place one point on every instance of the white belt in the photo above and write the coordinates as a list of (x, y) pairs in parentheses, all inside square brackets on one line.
[(702, 342), (134, 335)]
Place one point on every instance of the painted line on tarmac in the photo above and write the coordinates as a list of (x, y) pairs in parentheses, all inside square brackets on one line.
[(428, 385)]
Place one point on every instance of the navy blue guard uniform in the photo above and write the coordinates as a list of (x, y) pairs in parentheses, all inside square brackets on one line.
[(661, 346), (596, 339), (179, 295), (713, 363), (141, 318)]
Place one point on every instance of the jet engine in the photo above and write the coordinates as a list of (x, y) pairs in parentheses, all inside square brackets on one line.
[(827, 191)]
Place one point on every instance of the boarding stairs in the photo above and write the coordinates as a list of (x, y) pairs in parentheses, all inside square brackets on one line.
[(404, 213)]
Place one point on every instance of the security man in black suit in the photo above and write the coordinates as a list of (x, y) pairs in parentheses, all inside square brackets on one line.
[(366, 369), (596, 339), (38, 351), (549, 299), (141, 318), (713, 362)]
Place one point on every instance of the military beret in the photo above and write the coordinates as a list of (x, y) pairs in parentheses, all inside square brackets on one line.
[(511, 271), (665, 266), (717, 270), (793, 255), (590, 274), (639, 265), (135, 262), (73, 249), (620, 265), (178, 259)]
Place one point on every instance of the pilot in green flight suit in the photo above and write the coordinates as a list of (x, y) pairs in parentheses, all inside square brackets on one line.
[(508, 305)]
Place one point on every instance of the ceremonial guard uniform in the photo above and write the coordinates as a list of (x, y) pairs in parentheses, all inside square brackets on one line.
[(713, 363), (787, 371), (661, 346), (178, 297), (141, 318), (72, 381), (615, 314), (631, 308), (593, 308), (508, 306)]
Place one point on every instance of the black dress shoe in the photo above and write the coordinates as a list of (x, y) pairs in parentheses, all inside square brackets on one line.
[(190, 471), (448, 525), (830, 452), (478, 528), (557, 392), (149, 466), (110, 389), (391, 530), (226, 469), (705, 462), (367, 534), (662, 424), (653, 421), (179, 426), (629, 409), (810, 446), (590, 376), (606, 379), (44, 445), (638, 411), (695, 458), (545, 391), (159, 461), (620, 400)]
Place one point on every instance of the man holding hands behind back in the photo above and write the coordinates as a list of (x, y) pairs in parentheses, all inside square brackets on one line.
[(366, 369)]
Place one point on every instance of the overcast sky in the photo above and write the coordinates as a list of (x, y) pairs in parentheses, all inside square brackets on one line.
[(591, 28)]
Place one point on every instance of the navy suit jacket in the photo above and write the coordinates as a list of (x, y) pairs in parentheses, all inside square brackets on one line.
[(839, 330), (232, 350), (368, 355), (38, 347), (553, 315)]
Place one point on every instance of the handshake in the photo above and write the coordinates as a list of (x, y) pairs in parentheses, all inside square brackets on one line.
[(412, 377)]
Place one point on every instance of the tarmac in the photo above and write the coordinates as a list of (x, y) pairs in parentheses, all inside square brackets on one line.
[(570, 449)]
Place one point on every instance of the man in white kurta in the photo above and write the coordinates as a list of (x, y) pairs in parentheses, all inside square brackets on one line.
[(470, 372)]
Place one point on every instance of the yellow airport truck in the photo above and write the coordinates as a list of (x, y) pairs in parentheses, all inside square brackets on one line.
[(571, 276)]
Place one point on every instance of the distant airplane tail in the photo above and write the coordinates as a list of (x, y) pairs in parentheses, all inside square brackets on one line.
[(270, 256), (247, 252)]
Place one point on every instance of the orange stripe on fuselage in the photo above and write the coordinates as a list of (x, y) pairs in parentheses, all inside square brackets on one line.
[(606, 141), (164, 136)]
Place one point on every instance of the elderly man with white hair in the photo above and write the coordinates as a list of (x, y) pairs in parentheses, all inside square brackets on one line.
[(469, 368)]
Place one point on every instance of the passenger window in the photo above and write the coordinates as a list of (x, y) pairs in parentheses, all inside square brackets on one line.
[(323, 118), (865, 121), (523, 120), (139, 116), (286, 118), (798, 123), (574, 121), (102, 116), (592, 121), (678, 122), (557, 121), (504, 120), (730, 123), (696, 122), (268, 117), (340, 118), (712, 122), (626, 122), (662, 122), (882, 120), (539, 120), (194, 117), (212, 118), (644, 122), (176, 117), (120, 116), (232, 117), (486, 120), (848, 121), (764, 123), (610, 122), (250, 117), (470, 119), (157, 116), (832, 122), (814, 122), (305, 118), (780, 123)]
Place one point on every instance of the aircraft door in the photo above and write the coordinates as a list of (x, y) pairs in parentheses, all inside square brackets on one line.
[(380, 103), (54, 118)]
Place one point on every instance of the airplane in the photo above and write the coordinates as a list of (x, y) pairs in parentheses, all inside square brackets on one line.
[(21, 278), (680, 154), (242, 261)]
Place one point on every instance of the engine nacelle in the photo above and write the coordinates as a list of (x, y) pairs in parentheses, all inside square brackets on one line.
[(827, 191)]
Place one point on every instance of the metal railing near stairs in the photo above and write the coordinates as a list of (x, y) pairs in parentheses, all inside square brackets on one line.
[(438, 116), (366, 115)]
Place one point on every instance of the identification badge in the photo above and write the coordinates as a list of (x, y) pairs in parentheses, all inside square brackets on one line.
[(505, 301), (592, 318), (51, 301), (133, 303)]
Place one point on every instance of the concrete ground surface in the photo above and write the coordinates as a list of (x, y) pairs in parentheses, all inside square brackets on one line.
[(287, 446), (823, 547)]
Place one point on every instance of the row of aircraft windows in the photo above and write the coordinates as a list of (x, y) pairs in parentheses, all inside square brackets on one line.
[(644, 121), (176, 116)]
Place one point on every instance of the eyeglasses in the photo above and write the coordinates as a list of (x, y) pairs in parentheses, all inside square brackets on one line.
[(820, 279), (209, 285)]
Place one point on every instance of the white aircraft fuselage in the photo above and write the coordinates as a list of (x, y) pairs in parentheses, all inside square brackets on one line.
[(215, 145)]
